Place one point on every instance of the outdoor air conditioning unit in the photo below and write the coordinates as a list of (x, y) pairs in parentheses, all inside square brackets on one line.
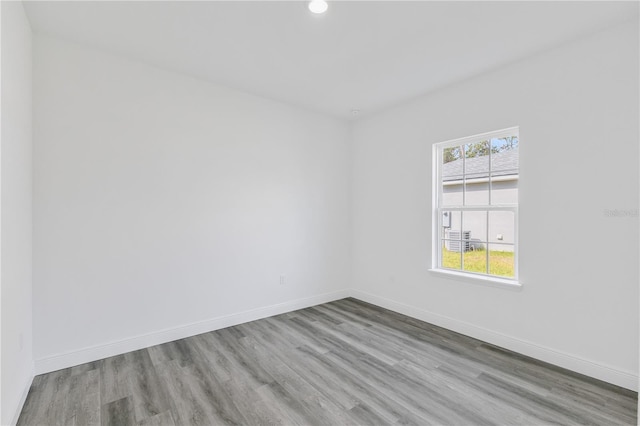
[(454, 243)]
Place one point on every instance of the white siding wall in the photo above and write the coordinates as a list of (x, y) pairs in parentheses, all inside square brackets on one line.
[(500, 223)]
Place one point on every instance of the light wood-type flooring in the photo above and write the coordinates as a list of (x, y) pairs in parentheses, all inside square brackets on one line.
[(340, 363)]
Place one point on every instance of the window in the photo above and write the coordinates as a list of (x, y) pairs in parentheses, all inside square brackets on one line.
[(476, 206)]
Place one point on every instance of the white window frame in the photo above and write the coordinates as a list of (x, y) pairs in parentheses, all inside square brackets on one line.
[(438, 210)]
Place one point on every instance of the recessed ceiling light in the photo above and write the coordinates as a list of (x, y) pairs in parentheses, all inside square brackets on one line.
[(318, 6)]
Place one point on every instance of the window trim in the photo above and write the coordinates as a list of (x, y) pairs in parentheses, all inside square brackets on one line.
[(436, 195), (486, 280)]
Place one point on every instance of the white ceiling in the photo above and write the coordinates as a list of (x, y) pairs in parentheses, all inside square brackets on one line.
[(361, 54)]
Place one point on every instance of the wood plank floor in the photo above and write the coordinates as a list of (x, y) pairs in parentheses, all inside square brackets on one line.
[(345, 362)]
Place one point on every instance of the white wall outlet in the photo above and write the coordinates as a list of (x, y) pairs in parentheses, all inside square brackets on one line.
[(282, 279)]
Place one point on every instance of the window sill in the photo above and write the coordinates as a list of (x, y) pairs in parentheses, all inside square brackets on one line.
[(478, 279)]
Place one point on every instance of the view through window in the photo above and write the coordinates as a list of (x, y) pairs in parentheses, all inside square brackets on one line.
[(476, 214)]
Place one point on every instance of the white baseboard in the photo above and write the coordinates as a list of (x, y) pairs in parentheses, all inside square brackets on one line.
[(608, 374), (23, 397), (94, 353), (571, 362)]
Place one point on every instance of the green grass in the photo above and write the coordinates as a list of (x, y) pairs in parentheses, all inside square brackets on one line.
[(501, 263)]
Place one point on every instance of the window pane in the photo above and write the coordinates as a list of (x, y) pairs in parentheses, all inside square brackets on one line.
[(475, 260), (504, 155), (452, 164), (502, 260), (476, 192), (452, 193), (504, 189), (476, 171), (451, 255), (451, 220), (502, 227), (474, 229), (452, 176), (476, 159)]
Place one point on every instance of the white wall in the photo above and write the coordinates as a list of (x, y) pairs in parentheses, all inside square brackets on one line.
[(577, 108), (162, 201), (16, 210)]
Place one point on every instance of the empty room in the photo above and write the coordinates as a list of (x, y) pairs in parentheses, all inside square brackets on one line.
[(319, 213)]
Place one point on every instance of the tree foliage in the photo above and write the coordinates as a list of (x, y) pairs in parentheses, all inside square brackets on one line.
[(479, 149)]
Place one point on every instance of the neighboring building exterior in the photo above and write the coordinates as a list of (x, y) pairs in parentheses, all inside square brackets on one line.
[(504, 190)]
